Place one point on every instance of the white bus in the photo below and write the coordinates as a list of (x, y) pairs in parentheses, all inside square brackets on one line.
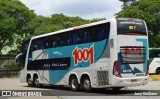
[(111, 53), (154, 60)]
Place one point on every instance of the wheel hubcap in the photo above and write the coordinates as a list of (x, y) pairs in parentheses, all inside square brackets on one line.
[(37, 81), (87, 84), (158, 70), (29, 81), (74, 83)]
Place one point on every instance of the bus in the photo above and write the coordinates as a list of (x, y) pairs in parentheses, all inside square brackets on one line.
[(107, 54), (154, 60)]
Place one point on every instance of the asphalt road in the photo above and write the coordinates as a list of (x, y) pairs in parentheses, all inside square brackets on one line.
[(64, 92)]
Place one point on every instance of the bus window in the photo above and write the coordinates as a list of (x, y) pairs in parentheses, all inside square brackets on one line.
[(75, 38), (70, 39), (41, 43), (154, 53), (85, 37), (93, 34), (103, 31), (80, 37), (63, 39), (101, 35), (54, 41), (46, 42)]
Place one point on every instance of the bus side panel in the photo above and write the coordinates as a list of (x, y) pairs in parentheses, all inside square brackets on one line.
[(96, 49), (154, 64)]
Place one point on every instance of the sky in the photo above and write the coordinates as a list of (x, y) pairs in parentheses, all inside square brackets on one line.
[(87, 9)]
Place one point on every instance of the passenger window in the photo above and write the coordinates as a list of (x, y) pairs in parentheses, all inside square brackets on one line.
[(80, 37), (86, 37), (93, 34), (47, 42), (70, 39), (41, 43), (103, 31), (75, 38)]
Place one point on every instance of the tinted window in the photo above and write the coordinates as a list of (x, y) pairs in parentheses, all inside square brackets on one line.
[(79, 36), (130, 27), (154, 53)]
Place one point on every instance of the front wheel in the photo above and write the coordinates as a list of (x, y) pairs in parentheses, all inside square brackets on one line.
[(86, 84), (158, 70)]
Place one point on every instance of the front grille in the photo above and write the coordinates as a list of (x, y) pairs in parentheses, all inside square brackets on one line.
[(132, 55), (102, 78)]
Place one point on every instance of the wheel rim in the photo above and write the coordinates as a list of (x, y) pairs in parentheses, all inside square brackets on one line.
[(74, 83), (86, 84), (29, 81), (158, 71), (37, 81)]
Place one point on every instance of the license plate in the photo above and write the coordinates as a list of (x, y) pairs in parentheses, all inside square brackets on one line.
[(133, 80)]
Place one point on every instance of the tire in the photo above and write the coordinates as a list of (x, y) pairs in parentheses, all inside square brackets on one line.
[(158, 70), (86, 84), (29, 81), (36, 82), (116, 88), (74, 83)]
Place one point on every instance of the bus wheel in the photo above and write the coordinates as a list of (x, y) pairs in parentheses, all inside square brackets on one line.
[(74, 83), (36, 82), (116, 88), (86, 84), (29, 81), (158, 70)]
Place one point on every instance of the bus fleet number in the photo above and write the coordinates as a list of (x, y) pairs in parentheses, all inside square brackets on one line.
[(83, 55)]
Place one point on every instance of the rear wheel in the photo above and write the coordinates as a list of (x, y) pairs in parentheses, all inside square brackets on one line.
[(158, 70), (74, 83), (36, 82), (29, 81), (86, 84)]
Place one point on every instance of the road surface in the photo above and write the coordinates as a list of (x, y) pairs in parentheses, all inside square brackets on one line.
[(65, 92)]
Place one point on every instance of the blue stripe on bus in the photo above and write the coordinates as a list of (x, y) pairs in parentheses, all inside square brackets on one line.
[(59, 52), (128, 67), (144, 41)]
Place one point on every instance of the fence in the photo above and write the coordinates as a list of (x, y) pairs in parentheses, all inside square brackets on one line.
[(6, 60)]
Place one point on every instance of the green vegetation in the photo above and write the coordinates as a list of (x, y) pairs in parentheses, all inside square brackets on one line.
[(154, 77), (18, 23), (15, 23), (13, 66), (149, 10)]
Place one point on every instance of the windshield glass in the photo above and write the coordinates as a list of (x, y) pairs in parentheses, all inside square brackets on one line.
[(131, 27)]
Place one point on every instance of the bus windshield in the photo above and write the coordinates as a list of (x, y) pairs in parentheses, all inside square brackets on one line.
[(131, 27)]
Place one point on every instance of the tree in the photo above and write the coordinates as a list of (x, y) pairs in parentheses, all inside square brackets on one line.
[(149, 10), (127, 3), (58, 22), (18, 23), (15, 23), (7, 25)]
